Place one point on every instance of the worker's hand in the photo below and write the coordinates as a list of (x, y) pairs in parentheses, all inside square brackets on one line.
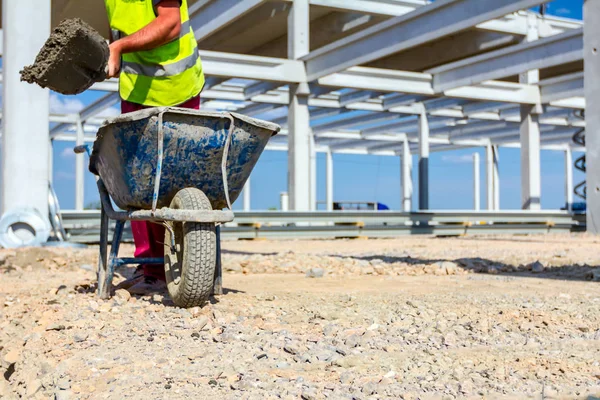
[(114, 61)]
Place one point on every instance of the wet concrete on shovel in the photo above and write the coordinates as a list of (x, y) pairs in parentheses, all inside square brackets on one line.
[(73, 58)]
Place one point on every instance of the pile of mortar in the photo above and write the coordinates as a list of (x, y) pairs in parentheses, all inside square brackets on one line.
[(73, 58)]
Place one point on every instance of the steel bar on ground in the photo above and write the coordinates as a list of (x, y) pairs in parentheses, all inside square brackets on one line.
[(83, 226)]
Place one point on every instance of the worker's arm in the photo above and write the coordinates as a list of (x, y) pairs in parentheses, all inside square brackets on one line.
[(165, 28)]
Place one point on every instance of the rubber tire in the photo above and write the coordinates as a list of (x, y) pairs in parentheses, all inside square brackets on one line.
[(194, 259)]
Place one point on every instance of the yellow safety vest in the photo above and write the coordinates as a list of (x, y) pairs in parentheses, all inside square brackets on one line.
[(166, 76)]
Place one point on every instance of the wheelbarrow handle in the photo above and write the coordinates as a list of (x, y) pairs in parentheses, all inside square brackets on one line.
[(84, 148)]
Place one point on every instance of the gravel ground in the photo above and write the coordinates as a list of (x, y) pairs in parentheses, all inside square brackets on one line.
[(410, 318)]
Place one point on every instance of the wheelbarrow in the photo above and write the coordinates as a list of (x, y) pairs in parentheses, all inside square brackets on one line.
[(178, 168)]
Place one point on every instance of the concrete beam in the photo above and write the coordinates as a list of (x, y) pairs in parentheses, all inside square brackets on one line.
[(562, 87), (227, 65), (421, 26), (415, 83), (217, 14), (259, 88), (446, 50), (372, 118), (555, 50)]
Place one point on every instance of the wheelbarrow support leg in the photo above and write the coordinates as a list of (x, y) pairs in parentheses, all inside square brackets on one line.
[(103, 259), (218, 284), (105, 284)]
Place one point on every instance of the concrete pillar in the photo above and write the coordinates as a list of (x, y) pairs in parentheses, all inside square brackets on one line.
[(423, 161), (299, 137), (476, 180), (313, 173), (591, 39), (491, 168), (329, 181), (496, 159), (25, 109), (50, 160), (246, 203), (79, 169), (530, 135), (569, 179), (530, 159), (406, 174), (284, 201)]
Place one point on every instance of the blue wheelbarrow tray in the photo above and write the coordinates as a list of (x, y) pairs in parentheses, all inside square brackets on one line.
[(126, 152)]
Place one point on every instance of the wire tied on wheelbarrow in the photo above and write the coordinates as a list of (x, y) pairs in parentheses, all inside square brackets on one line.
[(159, 163), (225, 155), (160, 136)]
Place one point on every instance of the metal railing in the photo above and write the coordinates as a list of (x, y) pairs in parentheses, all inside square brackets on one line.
[(83, 226)]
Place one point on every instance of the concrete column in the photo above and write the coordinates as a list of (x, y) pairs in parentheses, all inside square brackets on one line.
[(406, 174), (489, 169), (591, 39), (313, 173), (247, 203), (530, 135), (25, 109), (496, 159), (298, 29), (569, 178), (50, 160), (476, 180), (79, 169), (329, 180), (284, 201), (299, 137), (530, 159), (423, 161)]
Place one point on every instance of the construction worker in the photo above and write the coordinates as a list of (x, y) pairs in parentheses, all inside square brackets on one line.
[(154, 52)]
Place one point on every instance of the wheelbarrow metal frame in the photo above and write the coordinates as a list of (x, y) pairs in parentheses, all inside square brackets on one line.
[(109, 262)]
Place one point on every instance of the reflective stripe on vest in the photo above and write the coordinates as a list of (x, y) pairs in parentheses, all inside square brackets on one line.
[(158, 71)]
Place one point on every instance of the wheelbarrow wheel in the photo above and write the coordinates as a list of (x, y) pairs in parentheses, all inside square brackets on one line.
[(190, 264)]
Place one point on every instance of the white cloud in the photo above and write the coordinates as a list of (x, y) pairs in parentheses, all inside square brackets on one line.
[(455, 159), (66, 176), (64, 105), (110, 112), (563, 11), (67, 153)]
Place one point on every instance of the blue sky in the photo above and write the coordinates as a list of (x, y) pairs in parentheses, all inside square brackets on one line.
[(366, 178)]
